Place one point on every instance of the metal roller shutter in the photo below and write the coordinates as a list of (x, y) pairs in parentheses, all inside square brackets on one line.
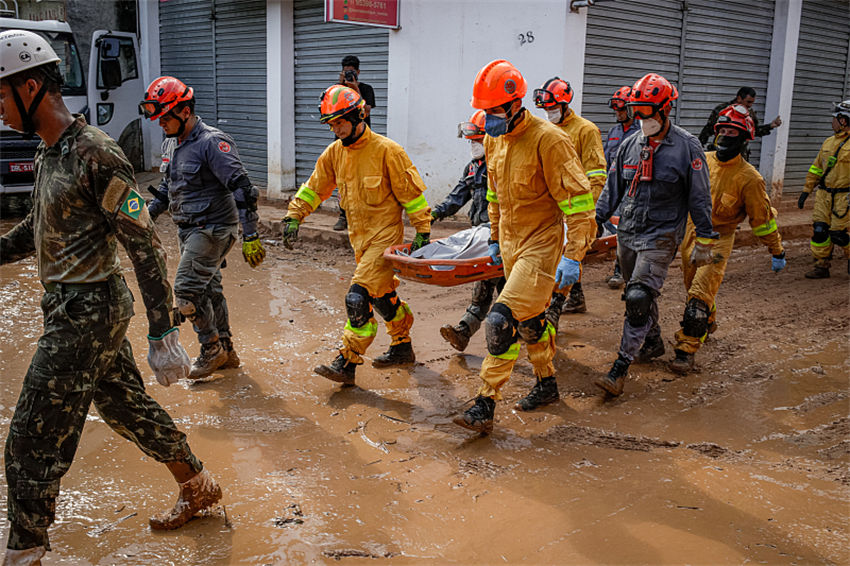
[(218, 47), (821, 78), (319, 48), (621, 48), (727, 46)]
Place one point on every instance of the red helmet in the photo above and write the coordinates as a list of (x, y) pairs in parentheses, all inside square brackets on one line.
[(338, 100), (620, 98), (651, 94), (474, 129), (162, 95), (496, 84), (554, 91), (736, 117)]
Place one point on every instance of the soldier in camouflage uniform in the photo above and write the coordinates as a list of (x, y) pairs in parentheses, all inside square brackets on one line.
[(84, 202)]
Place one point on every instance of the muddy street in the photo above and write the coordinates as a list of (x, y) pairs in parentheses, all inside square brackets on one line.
[(745, 461)]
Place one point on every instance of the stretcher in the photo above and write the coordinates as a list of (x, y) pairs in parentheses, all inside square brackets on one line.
[(461, 258)]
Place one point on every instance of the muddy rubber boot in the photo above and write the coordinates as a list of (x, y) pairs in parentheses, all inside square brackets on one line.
[(553, 311), (398, 355), (212, 357), (232, 358), (458, 335), (341, 222), (197, 494), (818, 273), (544, 392), (614, 382), (575, 304), (478, 417), (616, 281), (339, 370), (683, 363), (652, 348), (26, 557)]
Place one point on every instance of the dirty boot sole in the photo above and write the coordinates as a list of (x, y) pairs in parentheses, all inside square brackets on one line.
[(183, 512), (483, 427), (232, 362), (612, 388), (458, 341), (334, 375)]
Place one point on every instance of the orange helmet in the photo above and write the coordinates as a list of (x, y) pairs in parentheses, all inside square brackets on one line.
[(338, 100), (733, 117), (620, 97), (162, 95), (650, 94), (554, 91), (474, 129), (496, 84)]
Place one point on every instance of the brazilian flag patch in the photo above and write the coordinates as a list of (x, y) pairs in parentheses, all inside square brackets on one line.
[(132, 206)]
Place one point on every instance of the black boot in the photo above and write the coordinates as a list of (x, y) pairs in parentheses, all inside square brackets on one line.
[(614, 382), (341, 222), (818, 273), (212, 358), (398, 355), (616, 281), (339, 370), (478, 417), (545, 391), (458, 335), (575, 304), (682, 363), (553, 311), (652, 348)]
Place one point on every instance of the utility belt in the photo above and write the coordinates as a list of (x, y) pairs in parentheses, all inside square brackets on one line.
[(835, 191), (113, 282)]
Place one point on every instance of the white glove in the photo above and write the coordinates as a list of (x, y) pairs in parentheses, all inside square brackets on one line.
[(167, 358), (701, 254)]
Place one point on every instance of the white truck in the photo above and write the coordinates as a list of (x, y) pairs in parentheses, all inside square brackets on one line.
[(109, 101)]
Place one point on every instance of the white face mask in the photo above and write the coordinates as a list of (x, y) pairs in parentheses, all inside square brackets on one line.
[(476, 149), (554, 115), (650, 127)]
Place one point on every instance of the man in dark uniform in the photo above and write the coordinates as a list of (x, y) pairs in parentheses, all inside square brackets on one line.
[(84, 203), (746, 97), (206, 189)]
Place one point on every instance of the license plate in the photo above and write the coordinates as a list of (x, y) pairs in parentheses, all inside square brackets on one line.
[(20, 167)]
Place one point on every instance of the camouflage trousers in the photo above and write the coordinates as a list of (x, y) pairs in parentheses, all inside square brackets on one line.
[(83, 357), (198, 279)]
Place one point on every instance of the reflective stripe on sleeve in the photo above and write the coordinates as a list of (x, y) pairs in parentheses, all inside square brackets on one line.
[(511, 354), (766, 228), (816, 170), (491, 196), (368, 329), (596, 173), (580, 203), (415, 205), (309, 196)]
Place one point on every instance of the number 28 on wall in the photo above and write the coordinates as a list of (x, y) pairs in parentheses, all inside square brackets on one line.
[(527, 37)]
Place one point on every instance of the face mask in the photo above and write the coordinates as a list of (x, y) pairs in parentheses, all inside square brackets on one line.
[(554, 115), (476, 149), (741, 109), (496, 124), (650, 127), (728, 147)]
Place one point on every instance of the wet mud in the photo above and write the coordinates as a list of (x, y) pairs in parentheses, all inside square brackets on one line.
[(747, 460)]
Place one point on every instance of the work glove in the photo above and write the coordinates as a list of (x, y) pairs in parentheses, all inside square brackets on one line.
[(494, 252), (290, 231), (167, 358), (701, 254), (252, 250), (568, 272), (600, 227), (777, 262), (421, 239), (801, 202), (434, 217)]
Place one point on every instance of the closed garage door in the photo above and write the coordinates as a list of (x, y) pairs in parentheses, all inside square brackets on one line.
[(319, 49), (821, 79)]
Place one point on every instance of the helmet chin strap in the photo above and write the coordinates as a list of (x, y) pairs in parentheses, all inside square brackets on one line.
[(181, 129), (28, 115), (354, 119)]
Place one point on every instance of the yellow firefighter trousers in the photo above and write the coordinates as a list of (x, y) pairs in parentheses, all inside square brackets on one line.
[(825, 211)]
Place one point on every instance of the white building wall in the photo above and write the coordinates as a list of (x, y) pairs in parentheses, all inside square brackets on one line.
[(280, 94), (150, 59), (434, 57)]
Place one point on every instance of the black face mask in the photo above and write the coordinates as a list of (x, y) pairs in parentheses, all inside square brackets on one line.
[(728, 147), (354, 119)]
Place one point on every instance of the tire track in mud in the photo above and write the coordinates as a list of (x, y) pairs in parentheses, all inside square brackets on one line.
[(587, 436)]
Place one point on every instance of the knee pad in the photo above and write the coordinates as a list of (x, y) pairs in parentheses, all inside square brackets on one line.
[(638, 299), (839, 237), (186, 307), (531, 330), (695, 322), (820, 232), (358, 306), (387, 305), (500, 329)]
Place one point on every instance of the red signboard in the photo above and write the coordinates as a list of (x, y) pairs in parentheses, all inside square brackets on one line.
[(378, 13)]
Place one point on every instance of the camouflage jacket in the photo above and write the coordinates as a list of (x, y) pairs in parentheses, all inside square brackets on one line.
[(85, 199)]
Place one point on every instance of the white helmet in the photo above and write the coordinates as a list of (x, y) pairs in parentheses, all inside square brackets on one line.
[(841, 109), (21, 50)]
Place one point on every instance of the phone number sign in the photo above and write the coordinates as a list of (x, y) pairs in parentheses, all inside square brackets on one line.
[(378, 13)]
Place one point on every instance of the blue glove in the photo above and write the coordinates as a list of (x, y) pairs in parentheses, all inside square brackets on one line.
[(778, 262), (568, 272), (494, 253)]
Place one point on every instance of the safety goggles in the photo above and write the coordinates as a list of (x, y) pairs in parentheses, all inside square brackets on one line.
[(644, 110), (616, 103), (468, 130), (151, 108), (544, 98)]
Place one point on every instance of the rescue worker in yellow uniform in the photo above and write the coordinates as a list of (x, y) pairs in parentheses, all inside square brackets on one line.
[(554, 97), (534, 180), (830, 174), (377, 182), (737, 192)]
